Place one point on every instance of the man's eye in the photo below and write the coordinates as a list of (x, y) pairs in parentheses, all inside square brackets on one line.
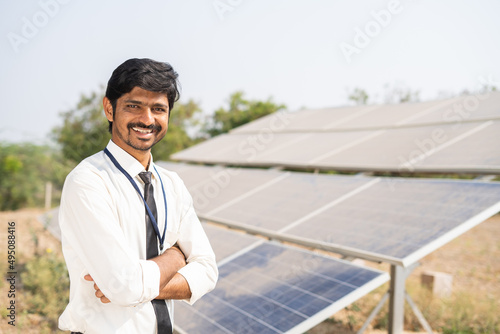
[(131, 106), (159, 109)]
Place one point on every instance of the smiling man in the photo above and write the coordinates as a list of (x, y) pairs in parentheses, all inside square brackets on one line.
[(131, 239)]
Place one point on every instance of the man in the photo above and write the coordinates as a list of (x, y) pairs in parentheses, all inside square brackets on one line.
[(119, 210)]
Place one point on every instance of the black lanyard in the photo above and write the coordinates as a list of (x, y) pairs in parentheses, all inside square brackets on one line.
[(153, 220)]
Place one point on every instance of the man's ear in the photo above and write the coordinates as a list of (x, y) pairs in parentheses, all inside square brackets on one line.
[(108, 109)]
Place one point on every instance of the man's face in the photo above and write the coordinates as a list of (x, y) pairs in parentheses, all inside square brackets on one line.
[(139, 121)]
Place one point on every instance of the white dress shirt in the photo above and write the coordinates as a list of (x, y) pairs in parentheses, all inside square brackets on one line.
[(103, 232)]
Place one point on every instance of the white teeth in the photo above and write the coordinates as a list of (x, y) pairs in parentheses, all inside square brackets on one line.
[(143, 131)]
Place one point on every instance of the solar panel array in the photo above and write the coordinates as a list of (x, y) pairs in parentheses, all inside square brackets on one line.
[(396, 220), (455, 135), (267, 287)]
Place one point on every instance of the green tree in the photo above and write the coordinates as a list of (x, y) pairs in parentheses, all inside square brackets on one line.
[(24, 170), (400, 94), (359, 96), (184, 116), (84, 129), (239, 111)]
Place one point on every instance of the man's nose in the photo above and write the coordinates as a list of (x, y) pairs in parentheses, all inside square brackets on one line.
[(147, 117)]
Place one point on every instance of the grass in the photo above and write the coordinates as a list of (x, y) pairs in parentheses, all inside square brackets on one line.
[(45, 285)]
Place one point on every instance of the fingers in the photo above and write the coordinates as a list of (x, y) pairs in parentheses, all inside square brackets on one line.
[(101, 295), (98, 292)]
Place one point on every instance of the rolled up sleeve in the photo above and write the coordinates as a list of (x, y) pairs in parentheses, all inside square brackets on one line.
[(201, 271)]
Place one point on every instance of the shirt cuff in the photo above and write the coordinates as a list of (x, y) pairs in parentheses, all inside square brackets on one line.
[(150, 279), (198, 287)]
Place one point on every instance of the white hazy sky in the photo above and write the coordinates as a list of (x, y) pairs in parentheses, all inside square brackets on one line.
[(52, 51)]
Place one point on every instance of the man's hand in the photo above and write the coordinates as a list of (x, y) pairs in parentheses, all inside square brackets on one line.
[(177, 287), (98, 292), (169, 263)]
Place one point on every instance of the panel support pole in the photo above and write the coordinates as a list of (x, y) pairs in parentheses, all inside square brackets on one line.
[(397, 295), (397, 299)]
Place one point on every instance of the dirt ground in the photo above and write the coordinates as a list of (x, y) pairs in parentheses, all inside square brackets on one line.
[(472, 259)]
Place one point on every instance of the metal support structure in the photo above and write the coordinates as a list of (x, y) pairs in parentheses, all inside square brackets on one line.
[(375, 311), (418, 314), (397, 300), (397, 295)]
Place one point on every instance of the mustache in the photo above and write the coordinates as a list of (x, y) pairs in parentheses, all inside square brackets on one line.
[(155, 127)]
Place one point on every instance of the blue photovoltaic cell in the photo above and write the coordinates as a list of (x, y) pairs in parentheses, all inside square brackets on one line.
[(397, 217), (288, 200), (272, 289), (226, 242)]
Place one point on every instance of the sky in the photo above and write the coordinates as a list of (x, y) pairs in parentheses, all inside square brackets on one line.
[(300, 53)]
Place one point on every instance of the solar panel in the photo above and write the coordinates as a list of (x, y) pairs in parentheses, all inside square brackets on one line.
[(208, 151), (404, 219), (273, 288), (400, 150), (471, 153), (426, 137), (227, 243), (222, 185), (397, 220), (305, 120), (466, 108), (406, 149), (452, 110), (286, 201)]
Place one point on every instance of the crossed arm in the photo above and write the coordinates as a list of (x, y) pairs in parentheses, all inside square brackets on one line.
[(172, 284)]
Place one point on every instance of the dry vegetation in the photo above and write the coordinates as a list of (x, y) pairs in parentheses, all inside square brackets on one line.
[(472, 259)]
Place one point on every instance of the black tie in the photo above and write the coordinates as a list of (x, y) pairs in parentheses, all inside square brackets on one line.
[(161, 311)]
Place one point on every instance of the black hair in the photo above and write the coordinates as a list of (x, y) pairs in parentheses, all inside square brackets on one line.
[(147, 74)]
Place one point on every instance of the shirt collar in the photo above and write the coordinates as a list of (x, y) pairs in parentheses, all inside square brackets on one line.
[(130, 164)]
